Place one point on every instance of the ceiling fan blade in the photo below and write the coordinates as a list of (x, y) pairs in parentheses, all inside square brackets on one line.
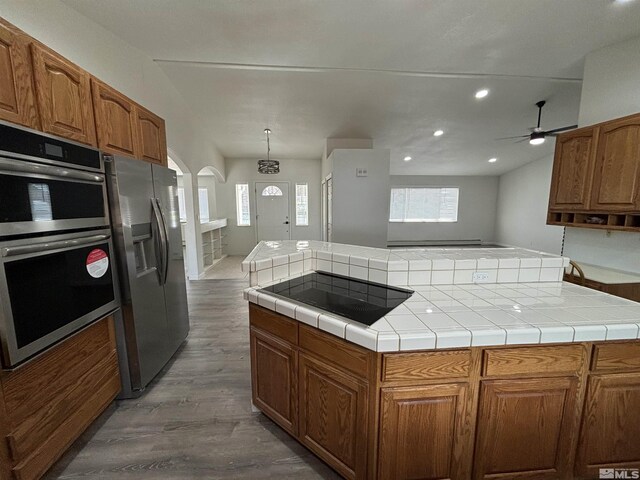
[(561, 129), (511, 138), (523, 140)]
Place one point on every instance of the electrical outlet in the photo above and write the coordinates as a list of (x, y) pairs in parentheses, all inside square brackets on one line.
[(480, 277), (361, 172)]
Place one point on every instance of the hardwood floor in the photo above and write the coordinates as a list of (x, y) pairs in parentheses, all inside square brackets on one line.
[(195, 420)]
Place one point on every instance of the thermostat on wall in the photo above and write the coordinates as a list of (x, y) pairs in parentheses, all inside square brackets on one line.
[(361, 172)]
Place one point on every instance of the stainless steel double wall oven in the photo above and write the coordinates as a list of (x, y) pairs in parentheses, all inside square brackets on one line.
[(56, 253)]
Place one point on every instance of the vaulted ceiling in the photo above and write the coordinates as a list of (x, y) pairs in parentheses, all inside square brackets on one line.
[(394, 71)]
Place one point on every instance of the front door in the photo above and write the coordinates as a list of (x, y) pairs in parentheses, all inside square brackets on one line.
[(272, 208)]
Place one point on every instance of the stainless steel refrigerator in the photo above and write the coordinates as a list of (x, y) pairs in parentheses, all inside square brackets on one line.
[(154, 320)]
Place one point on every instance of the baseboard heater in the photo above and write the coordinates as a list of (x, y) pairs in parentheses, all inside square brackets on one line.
[(434, 243)]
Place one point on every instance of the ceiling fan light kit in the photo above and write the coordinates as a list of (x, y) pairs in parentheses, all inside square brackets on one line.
[(538, 135), (268, 166)]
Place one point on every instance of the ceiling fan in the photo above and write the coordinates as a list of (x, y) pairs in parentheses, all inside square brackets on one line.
[(537, 135)]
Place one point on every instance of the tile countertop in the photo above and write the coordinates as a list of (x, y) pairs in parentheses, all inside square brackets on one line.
[(456, 316)]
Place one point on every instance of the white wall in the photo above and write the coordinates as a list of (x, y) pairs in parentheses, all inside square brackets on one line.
[(523, 197), (120, 65), (211, 184), (611, 89), (360, 212), (476, 210), (331, 144), (241, 240)]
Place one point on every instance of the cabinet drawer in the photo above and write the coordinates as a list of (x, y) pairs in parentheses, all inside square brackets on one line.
[(424, 366), (274, 323), (515, 361), (335, 350), (624, 356)]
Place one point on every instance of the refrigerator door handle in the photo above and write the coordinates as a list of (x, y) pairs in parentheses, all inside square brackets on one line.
[(165, 265), (160, 241)]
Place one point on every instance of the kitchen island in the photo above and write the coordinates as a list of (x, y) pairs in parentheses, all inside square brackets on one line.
[(501, 379)]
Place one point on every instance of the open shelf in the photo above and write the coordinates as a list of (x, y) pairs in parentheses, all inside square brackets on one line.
[(629, 222)]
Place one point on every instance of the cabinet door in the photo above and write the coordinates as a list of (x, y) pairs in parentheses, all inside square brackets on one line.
[(421, 432), (610, 424), (525, 428), (152, 136), (115, 120), (17, 101), (333, 417), (573, 169), (63, 92), (273, 379), (616, 183)]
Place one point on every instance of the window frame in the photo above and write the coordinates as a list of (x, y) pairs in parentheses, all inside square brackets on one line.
[(424, 220), (239, 207)]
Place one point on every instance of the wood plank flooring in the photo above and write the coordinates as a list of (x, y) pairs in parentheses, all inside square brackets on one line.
[(195, 420)]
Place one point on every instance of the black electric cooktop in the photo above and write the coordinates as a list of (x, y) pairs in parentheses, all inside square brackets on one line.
[(359, 300)]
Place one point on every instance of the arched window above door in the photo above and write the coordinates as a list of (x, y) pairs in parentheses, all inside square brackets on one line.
[(271, 191)]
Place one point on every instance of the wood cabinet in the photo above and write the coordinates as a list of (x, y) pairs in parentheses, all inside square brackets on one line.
[(616, 185), (610, 424), (333, 410), (116, 121), (422, 432), (274, 368), (51, 400), (573, 169), (63, 93), (540, 412), (596, 177), (152, 136), (43, 90), (17, 99), (524, 428)]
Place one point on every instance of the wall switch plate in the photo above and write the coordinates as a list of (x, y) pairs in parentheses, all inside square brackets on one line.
[(480, 277), (361, 172)]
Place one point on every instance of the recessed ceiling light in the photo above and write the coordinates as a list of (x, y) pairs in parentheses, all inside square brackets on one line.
[(482, 93), (493, 160), (437, 133), (407, 158)]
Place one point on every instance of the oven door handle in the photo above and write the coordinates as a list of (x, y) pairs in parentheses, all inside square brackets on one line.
[(161, 244), (9, 165), (43, 247)]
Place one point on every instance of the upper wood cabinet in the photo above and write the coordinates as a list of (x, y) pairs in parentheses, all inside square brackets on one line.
[(525, 428), (422, 432), (116, 120), (573, 169), (63, 92), (616, 185), (152, 136), (17, 100), (612, 412)]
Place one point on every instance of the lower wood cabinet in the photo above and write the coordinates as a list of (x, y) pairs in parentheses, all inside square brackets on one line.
[(47, 403), (524, 428), (421, 432), (557, 412), (333, 414), (274, 368), (610, 433)]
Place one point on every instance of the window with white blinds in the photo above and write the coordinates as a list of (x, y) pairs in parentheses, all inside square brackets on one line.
[(424, 204), (243, 215), (302, 204)]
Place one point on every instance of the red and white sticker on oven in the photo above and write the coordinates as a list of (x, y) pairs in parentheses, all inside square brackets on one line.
[(97, 263)]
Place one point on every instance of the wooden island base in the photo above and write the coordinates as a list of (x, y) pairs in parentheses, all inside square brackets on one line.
[(558, 411)]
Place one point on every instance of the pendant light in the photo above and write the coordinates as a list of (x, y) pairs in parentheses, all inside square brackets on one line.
[(268, 166)]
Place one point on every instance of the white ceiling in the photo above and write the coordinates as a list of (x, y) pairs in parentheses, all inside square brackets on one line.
[(393, 71)]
